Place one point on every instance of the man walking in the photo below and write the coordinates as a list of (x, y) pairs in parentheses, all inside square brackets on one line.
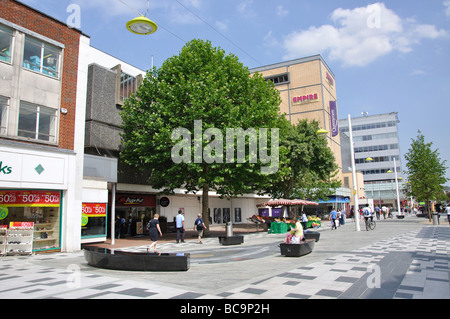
[(333, 217), (179, 220)]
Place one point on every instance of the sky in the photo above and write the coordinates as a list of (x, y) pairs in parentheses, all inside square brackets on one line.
[(386, 56)]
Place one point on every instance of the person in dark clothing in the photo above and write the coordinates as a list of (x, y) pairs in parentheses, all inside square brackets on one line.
[(154, 230)]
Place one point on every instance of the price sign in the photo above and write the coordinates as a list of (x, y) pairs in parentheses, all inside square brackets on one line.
[(3, 212), (34, 198), (94, 209)]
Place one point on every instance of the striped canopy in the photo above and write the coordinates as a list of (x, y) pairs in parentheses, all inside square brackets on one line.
[(287, 202)]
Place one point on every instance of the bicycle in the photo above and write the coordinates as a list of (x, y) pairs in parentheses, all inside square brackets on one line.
[(370, 223)]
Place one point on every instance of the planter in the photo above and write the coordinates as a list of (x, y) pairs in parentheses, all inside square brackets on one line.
[(297, 250), (134, 261), (312, 235), (231, 240)]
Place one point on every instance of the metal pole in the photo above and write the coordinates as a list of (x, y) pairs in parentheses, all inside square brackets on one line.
[(113, 213), (355, 186), (396, 186)]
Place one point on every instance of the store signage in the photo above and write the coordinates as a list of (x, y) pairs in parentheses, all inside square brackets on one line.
[(164, 201), (126, 200), (3, 212), (5, 169), (330, 79), (303, 99), (84, 220), (34, 198), (21, 225), (94, 209), (334, 119)]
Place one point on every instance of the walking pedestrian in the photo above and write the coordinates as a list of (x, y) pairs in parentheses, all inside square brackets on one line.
[(199, 225), (448, 213), (154, 230), (179, 220), (377, 212), (304, 221), (333, 216)]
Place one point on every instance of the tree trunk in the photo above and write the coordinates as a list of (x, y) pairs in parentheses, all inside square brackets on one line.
[(205, 205)]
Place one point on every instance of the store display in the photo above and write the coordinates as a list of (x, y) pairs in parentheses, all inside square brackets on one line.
[(19, 238)]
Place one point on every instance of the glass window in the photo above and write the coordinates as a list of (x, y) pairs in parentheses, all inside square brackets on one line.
[(4, 102), (6, 36), (41, 57), (128, 85), (37, 122)]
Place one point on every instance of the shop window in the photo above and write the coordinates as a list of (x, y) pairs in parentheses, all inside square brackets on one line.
[(6, 41), (4, 102), (40, 207), (41, 57), (37, 122), (93, 221)]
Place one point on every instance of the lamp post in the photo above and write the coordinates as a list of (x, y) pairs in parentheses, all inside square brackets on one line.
[(355, 187), (396, 186)]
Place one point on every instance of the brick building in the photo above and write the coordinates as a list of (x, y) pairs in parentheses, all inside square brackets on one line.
[(41, 143)]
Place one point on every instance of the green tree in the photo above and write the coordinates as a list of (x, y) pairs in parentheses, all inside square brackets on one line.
[(307, 165), (202, 85), (426, 172)]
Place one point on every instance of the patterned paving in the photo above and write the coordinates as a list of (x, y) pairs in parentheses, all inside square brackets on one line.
[(411, 265)]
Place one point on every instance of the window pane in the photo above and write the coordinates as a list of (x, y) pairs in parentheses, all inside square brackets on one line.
[(5, 43), (46, 118), (27, 120), (51, 60), (32, 54), (3, 114)]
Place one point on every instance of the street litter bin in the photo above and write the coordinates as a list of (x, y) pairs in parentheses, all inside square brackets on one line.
[(435, 219), (229, 227)]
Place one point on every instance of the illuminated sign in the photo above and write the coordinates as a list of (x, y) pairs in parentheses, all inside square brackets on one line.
[(303, 99)]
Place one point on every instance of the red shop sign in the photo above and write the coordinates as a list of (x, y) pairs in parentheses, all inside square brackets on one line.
[(127, 200), (34, 198), (94, 209)]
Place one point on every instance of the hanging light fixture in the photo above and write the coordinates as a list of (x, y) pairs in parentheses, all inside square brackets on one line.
[(142, 25)]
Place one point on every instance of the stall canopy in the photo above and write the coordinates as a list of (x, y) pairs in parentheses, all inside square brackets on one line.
[(287, 202)]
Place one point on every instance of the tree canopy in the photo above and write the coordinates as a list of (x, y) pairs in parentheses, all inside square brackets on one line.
[(426, 172), (175, 126), (307, 165)]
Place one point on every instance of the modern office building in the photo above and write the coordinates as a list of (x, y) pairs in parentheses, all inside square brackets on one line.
[(377, 147)]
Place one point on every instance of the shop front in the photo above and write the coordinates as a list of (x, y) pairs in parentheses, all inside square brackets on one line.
[(37, 211), (133, 211)]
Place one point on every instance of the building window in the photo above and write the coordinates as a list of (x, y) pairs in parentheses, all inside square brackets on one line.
[(41, 57), (6, 40), (4, 102), (279, 79), (37, 122), (128, 85)]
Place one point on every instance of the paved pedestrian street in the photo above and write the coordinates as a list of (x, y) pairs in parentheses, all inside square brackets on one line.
[(400, 259)]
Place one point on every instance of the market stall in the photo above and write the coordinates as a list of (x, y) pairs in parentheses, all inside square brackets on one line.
[(281, 224)]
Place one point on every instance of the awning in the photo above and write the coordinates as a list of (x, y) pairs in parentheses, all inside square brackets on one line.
[(287, 202)]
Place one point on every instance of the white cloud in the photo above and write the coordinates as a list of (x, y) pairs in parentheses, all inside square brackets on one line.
[(243, 6), (447, 7), (222, 25), (281, 11), (360, 36)]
